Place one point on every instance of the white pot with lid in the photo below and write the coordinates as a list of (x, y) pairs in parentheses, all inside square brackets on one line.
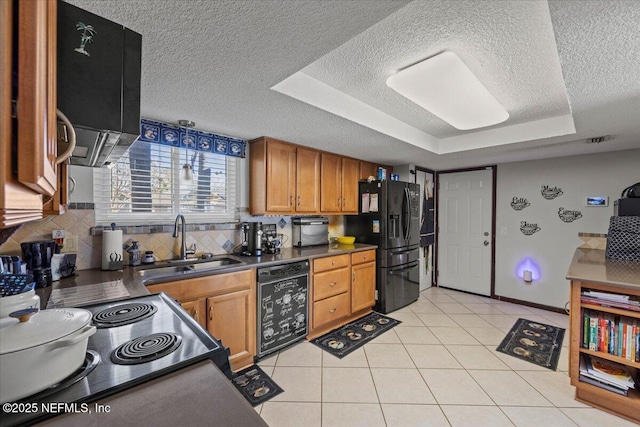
[(41, 349)]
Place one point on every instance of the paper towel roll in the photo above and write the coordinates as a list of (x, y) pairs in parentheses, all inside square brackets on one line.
[(111, 245)]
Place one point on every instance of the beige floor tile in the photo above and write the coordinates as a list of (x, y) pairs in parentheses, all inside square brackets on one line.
[(300, 384), (301, 354), (555, 386), (503, 322), (352, 385), (485, 308), (509, 308), (426, 306), (469, 299), (388, 356), (350, 415), (453, 335), (268, 370), (432, 356), (416, 335), (507, 388), (289, 414), (408, 318), (452, 307), (401, 386), (469, 320), (356, 359), (269, 360), (476, 416), (488, 335), (454, 387), (515, 363), (414, 416), (536, 417), (437, 319), (440, 297), (389, 337), (591, 417), (563, 360), (476, 357)]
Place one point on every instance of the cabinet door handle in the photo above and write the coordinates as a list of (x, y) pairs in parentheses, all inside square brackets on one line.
[(211, 313), (298, 200), (291, 200), (344, 202), (333, 310), (338, 201), (353, 276), (195, 314), (333, 263), (332, 284)]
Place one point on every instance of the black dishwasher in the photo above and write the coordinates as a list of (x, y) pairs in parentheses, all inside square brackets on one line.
[(282, 305)]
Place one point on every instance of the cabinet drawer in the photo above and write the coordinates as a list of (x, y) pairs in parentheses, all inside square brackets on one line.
[(364, 256), (330, 262), (330, 309), (330, 283)]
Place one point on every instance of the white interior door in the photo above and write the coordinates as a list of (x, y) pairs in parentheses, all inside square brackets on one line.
[(465, 205)]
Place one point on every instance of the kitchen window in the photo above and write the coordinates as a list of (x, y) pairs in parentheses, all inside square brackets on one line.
[(146, 186)]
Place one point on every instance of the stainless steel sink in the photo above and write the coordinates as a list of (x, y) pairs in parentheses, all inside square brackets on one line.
[(179, 269)]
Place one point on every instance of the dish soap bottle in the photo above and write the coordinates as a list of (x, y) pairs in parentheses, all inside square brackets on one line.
[(134, 254)]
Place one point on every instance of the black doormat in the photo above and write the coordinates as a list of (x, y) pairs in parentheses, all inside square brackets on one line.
[(354, 335), (534, 342), (256, 386)]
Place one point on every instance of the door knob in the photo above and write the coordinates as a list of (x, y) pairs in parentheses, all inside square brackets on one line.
[(486, 243)]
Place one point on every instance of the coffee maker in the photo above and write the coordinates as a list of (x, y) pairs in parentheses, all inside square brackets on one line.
[(37, 256), (251, 238)]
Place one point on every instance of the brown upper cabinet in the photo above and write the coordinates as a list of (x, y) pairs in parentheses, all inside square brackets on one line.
[(31, 172), (368, 169), (284, 178), (289, 179), (339, 190)]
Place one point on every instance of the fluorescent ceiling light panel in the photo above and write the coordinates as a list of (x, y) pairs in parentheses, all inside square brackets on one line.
[(445, 86)]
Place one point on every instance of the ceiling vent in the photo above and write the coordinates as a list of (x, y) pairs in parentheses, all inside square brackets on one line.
[(598, 139)]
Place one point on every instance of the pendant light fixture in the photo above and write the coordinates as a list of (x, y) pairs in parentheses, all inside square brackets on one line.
[(187, 171)]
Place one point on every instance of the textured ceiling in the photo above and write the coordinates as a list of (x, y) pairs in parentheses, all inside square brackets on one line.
[(215, 62)]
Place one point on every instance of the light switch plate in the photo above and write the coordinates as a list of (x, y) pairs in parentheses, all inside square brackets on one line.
[(57, 234)]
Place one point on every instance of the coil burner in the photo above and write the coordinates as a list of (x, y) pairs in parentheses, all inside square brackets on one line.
[(146, 348), (123, 314)]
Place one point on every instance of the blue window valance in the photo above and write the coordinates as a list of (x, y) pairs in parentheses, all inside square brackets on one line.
[(176, 136)]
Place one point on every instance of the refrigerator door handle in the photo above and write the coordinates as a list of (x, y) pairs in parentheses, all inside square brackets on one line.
[(405, 211), (409, 267)]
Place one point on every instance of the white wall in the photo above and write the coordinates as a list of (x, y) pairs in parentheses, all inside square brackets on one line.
[(553, 246)]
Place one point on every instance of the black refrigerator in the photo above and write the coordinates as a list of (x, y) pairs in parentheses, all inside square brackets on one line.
[(389, 217)]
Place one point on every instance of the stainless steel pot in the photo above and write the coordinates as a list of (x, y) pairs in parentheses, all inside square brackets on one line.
[(41, 349)]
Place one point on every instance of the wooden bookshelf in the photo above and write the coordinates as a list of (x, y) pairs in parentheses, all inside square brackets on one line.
[(627, 407)]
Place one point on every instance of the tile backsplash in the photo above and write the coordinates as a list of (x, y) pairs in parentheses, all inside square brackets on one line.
[(79, 222)]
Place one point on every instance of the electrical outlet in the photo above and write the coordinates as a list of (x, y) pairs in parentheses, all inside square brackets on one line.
[(57, 234), (70, 244)]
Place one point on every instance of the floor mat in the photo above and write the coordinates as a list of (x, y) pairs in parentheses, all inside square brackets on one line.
[(256, 386), (534, 342), (346, 339)]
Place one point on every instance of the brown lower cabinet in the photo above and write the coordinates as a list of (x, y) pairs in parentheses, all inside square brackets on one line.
[(224, 304), (342, 289)]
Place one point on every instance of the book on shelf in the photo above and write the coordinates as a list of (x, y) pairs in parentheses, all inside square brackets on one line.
[(610, 372), (612, 334), (605, 299), (598, 383)]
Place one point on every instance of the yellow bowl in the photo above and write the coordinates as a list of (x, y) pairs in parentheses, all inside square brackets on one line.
[(346, 240)]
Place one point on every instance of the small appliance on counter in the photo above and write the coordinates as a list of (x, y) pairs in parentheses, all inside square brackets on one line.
[(271, 240), (251, 239), (629, 202), (37, 255), (310, 231)]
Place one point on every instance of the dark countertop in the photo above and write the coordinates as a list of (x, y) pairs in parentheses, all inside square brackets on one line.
[(133, 283), (590, 265), (199, 394), (196, 395)]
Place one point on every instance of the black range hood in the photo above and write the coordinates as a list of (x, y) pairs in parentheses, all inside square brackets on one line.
[(98, 84)]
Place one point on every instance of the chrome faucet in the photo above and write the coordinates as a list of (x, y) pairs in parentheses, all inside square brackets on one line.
[(183, 246)]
